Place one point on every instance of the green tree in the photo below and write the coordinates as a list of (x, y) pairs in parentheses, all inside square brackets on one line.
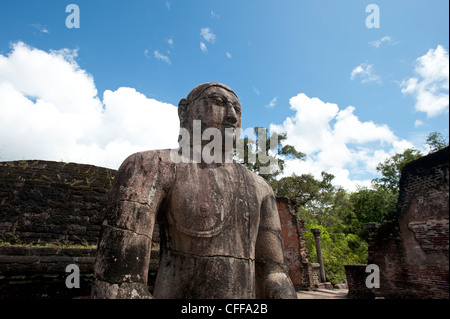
[(436, 142), (323, 205), (318, 200), (391, 169), (378, 204), (338, 249), (258, 153), (304, 189), (371, 205)]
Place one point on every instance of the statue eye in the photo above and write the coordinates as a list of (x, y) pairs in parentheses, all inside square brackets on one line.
[(219, 100)]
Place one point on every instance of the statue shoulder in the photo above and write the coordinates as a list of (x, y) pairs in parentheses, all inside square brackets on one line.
[(147, 160), (261, 184), (140, 172)]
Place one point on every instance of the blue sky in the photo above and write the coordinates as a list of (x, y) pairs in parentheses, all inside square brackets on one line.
[(347, 95)]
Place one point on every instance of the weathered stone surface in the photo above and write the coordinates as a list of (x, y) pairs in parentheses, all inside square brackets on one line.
[(125, 261), (183, 276), (40, 272), (412, 251), (219, 225), (44, 201), (356, 282), (125, 290), (296, 255)]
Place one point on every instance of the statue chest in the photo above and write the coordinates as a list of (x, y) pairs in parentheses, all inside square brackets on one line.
[(206, 202)]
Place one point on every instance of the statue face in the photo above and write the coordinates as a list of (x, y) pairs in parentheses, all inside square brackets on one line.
[(217, 108)]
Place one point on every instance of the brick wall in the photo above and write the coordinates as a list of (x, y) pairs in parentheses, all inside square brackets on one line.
[(356, 282), (40, 272), (43, 201), (294, 245), (412, 251)]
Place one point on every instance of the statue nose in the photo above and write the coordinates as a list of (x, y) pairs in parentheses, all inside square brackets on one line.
[(231, 115)]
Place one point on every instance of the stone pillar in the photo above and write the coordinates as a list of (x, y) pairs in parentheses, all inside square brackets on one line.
[(316, 232)]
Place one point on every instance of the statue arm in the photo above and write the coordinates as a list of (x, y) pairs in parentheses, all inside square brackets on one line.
[(123, 254), (272, 279)]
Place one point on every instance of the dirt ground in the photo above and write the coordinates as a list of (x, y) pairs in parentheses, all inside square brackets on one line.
[(323, 294)]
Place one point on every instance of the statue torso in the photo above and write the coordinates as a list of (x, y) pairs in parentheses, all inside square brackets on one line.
[(209, 225)]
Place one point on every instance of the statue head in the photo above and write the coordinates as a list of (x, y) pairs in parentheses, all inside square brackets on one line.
[(215, 105)]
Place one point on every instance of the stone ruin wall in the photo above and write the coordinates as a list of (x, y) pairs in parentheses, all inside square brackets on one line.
[(44, 202), (52, 202), (412, 251), (63, 203), (293, 230)]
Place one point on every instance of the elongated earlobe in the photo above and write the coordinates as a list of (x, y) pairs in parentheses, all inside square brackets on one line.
[(183, 103), (182, 111)]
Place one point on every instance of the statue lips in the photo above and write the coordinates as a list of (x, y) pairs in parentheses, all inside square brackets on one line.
[(229, 125), (229, 134)]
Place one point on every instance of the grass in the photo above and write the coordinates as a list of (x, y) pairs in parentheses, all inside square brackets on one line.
[(47, 245)]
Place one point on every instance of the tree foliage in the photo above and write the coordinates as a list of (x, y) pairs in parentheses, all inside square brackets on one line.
[(391, 169), (323, 205), (372, 205), (258, 152), (338, 249), (436, 142), (304, 189), (341, 215)]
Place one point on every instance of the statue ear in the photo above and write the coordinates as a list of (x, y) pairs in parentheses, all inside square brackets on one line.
[(182, 105)]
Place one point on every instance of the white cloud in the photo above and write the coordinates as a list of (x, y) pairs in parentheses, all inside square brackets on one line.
[(365, 72), (350, 129), (431, 86), (168, 5), (40, 28), (272, 103), (203, 47), (228, 54), (162, 57), (207, 35), (418, 123), (336, 141), (170, 42), (214, 15), (50, 110), (386, 39)]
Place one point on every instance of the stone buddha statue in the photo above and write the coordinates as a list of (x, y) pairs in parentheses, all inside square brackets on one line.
[(220, 231)]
